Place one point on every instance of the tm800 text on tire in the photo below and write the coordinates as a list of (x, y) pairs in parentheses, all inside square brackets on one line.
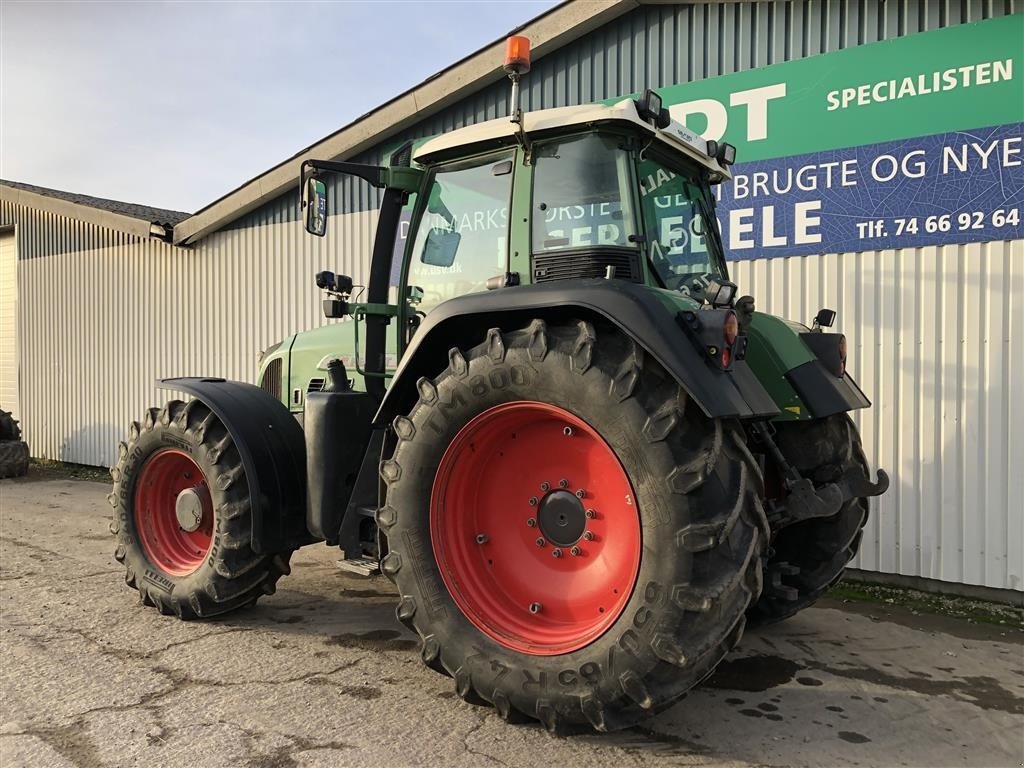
[(572, 539), (182, 516)]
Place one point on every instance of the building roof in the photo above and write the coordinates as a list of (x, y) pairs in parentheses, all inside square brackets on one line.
[(547, 32), (143, 212)]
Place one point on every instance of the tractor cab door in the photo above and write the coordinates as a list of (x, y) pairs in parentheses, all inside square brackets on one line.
[(680, 229), (459, 233)]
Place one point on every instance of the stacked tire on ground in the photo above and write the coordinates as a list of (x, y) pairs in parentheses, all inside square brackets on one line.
[(577, 542), (13, 450)]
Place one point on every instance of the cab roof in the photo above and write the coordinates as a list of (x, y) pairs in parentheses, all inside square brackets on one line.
[(675, 137)]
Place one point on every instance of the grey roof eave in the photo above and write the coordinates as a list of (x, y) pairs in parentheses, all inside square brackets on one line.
[(82, 212)]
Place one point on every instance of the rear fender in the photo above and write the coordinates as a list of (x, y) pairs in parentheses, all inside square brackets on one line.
[(629, 306), (271, 446)]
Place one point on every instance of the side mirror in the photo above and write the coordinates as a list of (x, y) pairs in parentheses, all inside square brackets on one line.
[(440, 248), (314, 206)]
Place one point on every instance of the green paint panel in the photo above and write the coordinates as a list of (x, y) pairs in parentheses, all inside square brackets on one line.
[(674, 302), (773, 348)]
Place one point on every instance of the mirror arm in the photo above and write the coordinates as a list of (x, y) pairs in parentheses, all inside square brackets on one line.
[(374, 174)]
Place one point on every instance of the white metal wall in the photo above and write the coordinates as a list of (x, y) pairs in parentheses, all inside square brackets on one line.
[(9, 323), (929, 332), (103, 315)]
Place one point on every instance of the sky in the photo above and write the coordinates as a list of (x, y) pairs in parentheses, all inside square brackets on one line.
[(175, 104)]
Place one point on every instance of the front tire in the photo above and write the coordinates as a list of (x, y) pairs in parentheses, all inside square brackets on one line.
[(648, 606), (182, 516)]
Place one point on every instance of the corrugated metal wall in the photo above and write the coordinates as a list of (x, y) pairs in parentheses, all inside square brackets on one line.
[(929, 332), (929, 327), (104, 314), (9, 392)]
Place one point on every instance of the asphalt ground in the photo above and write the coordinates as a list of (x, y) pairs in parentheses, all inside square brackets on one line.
[(322, 674)]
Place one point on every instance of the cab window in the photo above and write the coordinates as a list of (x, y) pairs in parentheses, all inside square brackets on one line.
[(676, 218), (461, 239), (581, 195)]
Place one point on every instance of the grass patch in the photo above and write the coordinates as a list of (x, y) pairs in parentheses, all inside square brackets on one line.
[(44, 469), (980, 611)]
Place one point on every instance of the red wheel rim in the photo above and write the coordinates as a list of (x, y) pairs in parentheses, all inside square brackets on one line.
[(172, 484), (517, 473)]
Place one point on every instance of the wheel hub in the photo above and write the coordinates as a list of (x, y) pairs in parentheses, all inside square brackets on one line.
[(562, 518), (173, 512), (188, 508)]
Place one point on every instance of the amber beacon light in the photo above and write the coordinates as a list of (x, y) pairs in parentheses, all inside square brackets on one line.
[(517, 55)]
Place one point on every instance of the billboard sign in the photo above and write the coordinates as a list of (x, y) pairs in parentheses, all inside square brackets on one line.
[(909, 142)]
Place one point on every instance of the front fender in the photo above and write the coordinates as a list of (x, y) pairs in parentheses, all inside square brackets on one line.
[(272, 448), (629, 306)]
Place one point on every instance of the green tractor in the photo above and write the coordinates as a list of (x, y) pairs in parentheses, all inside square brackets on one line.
[(585, 463)]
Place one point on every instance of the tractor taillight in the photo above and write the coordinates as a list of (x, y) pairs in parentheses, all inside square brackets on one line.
[(517, 55), (731, 328), (717, 333)]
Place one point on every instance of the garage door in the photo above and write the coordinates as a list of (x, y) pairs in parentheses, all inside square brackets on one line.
[(9, 324)]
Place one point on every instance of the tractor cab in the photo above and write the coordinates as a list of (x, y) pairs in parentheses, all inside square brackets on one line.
[(613, 191), (617, 191)]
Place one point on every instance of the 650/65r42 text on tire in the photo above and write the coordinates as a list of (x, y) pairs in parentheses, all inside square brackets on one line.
[(571, 537), (182, 516)]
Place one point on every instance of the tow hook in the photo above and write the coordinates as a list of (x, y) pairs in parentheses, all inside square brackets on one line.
[(803, 500)]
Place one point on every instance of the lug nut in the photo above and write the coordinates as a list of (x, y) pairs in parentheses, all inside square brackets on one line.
[(545, 486), (481, 538), (563, 483), (567, 431), (591, 514), (535, 607), (575, 551), (533, 501), (540, 541), (556, 552), (532, 522), (580, 493), (588, 536)]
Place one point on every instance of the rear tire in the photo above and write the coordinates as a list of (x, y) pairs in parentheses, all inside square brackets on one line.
[(697, 509), (808, 558), (184, 448)]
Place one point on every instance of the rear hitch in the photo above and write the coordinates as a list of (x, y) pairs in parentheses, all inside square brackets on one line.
[(855, 483), (805, 502)]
